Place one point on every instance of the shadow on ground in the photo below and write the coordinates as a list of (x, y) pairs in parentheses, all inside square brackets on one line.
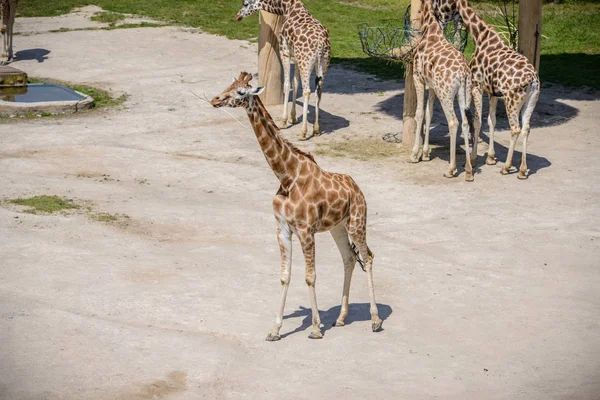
[(32, 54), (357, 312)]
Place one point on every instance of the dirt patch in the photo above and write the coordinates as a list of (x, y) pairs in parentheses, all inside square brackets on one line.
[(363, 150), (176, 382)]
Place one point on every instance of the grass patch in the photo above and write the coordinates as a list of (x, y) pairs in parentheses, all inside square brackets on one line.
[(107, 217), (107, 17), (570, 54), (363, 150), (45, 204)]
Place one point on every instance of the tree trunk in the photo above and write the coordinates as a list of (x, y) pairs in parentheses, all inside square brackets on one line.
[(409, 125), (270, 71), (530, 30)]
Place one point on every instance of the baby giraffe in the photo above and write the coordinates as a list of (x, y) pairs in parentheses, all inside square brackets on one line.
[(309, 200)]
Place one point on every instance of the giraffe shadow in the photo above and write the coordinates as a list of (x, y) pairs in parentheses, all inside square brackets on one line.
[(328, 123), (40, 55), (440, 141), (357, 312)]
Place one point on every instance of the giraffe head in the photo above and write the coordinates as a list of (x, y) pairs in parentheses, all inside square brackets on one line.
[(249, 7), (237, 94)]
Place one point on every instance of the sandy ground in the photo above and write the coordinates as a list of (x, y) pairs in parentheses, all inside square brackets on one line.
[(489, 290)]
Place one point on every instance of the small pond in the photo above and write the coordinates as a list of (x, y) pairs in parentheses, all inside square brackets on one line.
[(36, 93)]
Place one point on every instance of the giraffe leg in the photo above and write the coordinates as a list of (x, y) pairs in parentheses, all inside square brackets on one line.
[(513, 107), (491, 155), (530, 104), (284, 237), (4, 32), (420, 89), (285, 61), (448, 106), (340, 235), (307, 241), (305, 77), (428, 116), (319, 88), (462, 105), (320, 72), (296, 82), (357, 229), (477, 96), (11, 22)]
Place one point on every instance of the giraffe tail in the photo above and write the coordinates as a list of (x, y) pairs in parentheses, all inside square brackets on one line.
[(468, 86), (360, 261)]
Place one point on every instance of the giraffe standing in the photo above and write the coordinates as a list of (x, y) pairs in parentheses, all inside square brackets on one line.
[(309, 200), (8, 10), (502, 73), (441, 67), (302, 39)]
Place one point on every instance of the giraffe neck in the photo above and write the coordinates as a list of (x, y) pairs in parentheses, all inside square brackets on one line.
[(279, 154), (430, 25), (479, 30), (279, 7), (282, 7)]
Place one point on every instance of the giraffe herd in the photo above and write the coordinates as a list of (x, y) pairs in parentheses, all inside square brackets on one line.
[(311, 200)]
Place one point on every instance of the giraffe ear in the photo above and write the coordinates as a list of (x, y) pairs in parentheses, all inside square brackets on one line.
[(257, 91)]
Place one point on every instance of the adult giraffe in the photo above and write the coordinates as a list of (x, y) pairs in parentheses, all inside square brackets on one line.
[(302, 39), (503, 74)]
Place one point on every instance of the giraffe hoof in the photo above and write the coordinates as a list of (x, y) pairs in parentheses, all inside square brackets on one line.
[(315, 335), (293, 120), (449, 174), (522, 176), (272, 338), (376, 326), (338, 323), (469, 178), (505, 171), (414, 159), (490, 161), (426, 158), (283, 124)]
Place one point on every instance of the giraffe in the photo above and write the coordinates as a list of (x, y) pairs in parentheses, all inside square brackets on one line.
[(309, 200), (304, 40), (8, 10), (441, 67), (502, 73)]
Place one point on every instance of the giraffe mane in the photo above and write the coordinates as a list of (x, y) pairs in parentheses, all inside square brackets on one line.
[(278, 137)]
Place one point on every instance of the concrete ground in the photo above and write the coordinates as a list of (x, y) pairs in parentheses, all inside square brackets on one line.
[(489, 290)]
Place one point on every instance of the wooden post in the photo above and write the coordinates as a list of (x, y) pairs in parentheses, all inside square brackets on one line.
[(270, 71), (409, 125), (530, 30)]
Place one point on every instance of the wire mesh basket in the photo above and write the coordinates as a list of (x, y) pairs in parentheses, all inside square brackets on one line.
[(455, 32), (387, 41)]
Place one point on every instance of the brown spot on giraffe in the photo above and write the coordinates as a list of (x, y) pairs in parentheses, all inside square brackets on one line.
[(302, 206)]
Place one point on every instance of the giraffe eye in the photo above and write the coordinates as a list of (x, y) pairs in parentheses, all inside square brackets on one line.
[(241, 92)]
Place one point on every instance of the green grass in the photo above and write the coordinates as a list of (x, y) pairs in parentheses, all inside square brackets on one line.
[(45, 204), (570, 54), (107, 17)]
